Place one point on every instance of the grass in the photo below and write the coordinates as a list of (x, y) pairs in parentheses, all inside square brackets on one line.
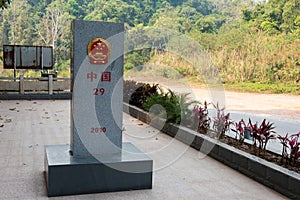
[(269, 88), (266, 88)]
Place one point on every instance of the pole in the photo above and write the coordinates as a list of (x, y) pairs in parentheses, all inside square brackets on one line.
[(42, 60), (15, 64)]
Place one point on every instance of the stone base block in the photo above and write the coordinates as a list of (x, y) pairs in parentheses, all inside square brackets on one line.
[(69, 175)]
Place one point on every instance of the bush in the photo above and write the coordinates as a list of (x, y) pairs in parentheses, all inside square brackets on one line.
[(136, 93), (170, 73), (177, 107), (128, 66)]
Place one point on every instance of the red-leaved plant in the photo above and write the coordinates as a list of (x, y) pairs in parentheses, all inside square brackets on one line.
[(202, 119), (293, 144), (240, 128), (262, 133), (284, 141), (221, 122)]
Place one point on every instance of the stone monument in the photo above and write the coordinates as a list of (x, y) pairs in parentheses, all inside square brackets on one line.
[(97, 160)]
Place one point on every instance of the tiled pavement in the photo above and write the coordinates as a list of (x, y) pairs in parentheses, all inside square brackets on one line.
[(179, 172)]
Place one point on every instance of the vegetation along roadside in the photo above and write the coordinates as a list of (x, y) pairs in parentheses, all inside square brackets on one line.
[(255, 45), (246, 135)]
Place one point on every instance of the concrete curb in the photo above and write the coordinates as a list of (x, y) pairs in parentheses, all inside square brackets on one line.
[(271, 175), (37, 96)]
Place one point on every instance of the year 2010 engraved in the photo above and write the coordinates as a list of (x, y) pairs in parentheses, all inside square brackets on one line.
[(98, 91), (98, 130)]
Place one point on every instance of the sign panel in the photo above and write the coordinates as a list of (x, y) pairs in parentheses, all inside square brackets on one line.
[(27, 57)]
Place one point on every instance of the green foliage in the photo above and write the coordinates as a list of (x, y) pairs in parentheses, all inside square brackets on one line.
[(247, 41), (205, 7), (136, 58), (206, 25), (64, 74), (246, 54), (270, 27), (8, 74), (32, 74), (177, 107), (64, 68), (4, 3), (247, 14), (275, 16), (210, 23), (276, 88), (128, 66), (169, 72), (115, 11), (137, 93)]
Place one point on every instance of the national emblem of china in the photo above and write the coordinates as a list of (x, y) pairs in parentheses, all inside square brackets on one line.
[(98, 51)]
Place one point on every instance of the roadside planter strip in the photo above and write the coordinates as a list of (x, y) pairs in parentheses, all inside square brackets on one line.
[(271, 175)]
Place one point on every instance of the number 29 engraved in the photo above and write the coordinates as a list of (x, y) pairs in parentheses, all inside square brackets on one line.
[(98, 91)]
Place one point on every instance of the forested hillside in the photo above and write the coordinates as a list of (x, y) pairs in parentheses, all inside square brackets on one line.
[(248, 41)]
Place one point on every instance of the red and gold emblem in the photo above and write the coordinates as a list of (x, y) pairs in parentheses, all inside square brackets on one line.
[(98, 51)]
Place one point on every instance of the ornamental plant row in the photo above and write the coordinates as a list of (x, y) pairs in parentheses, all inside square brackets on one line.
[(179, 109)]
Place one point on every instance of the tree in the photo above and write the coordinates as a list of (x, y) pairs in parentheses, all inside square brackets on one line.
[(210, 23), (247, 14), (291, 11), (275, 16), (17, 25), (54, 29), (270, 27), (4, 3), (115, 11), (204, 6), (206, 25)]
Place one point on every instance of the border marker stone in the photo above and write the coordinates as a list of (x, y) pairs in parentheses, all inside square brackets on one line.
[(97, 160)]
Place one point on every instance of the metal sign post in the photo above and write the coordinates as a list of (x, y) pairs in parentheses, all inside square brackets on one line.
[(15, 65)]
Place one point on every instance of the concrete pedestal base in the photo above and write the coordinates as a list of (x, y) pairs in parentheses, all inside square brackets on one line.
[(68, 175)]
